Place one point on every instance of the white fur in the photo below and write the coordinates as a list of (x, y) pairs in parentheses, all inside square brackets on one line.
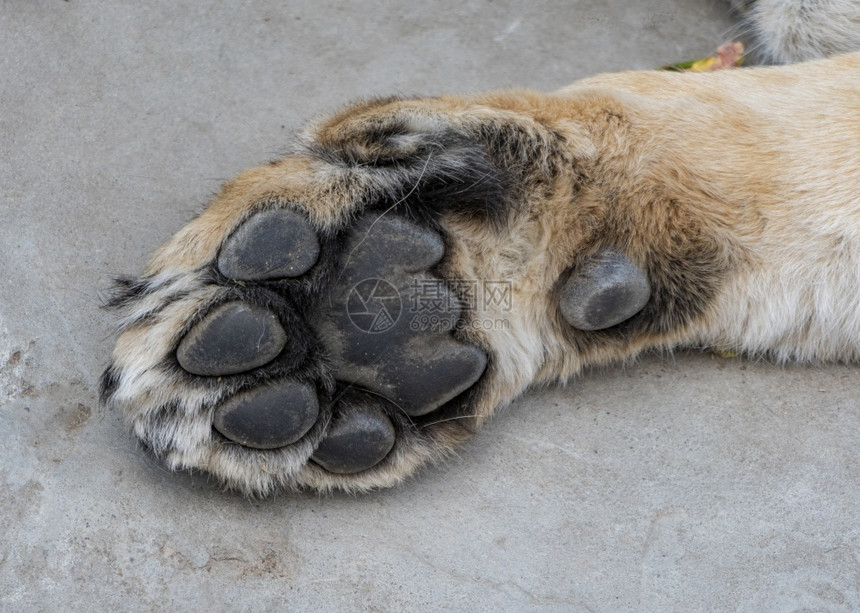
[(789, 31)]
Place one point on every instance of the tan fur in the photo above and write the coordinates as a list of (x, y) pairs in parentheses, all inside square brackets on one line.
[(740, 189)]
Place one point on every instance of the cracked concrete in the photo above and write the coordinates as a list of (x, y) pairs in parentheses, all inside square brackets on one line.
[(677, 483)]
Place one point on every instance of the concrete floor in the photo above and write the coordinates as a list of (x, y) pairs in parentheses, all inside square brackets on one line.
[(685, 483)]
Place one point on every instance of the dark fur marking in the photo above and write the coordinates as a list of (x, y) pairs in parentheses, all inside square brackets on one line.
[(125, 290), (108, 383), (683, 285), (482, 171), (460, 179)]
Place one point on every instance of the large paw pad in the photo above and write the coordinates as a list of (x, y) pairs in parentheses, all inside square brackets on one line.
[(373, 325)]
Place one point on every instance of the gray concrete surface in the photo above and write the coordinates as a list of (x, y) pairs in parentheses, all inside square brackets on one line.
[(685, 483)]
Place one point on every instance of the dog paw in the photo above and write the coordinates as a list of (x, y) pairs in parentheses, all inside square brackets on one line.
[(297, 355), (341, 317)]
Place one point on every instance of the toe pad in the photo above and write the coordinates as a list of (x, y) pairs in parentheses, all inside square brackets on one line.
[(268, 417), (270, 245), (233, 338), (359, 438)]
